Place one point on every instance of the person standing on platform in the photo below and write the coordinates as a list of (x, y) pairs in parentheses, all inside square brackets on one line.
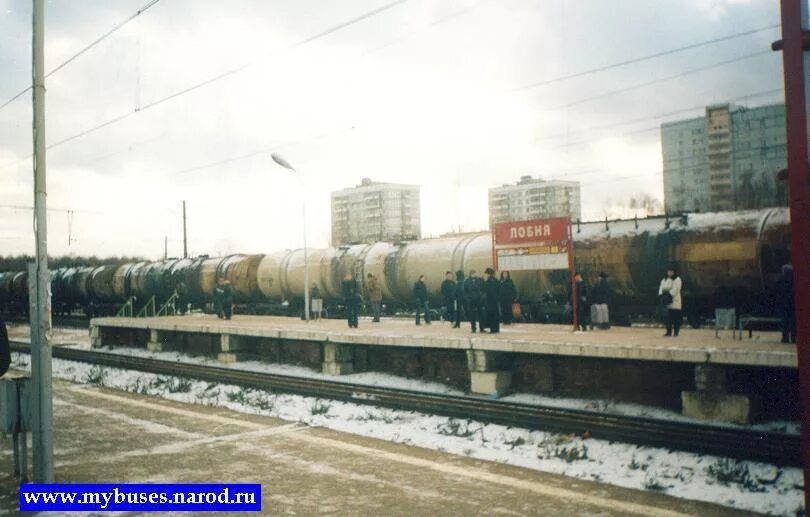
[(351, 297), (473, 293), (374, 295), (422, 303), (449, 297), (508, 296), (581, 292), (785, 304), (219, 292), (459, 298), (315, 302), (492, 301), (227, 299), (670, 294), (600, 300), (5, 348)]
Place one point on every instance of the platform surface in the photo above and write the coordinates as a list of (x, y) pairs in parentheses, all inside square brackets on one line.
[(646, 344), (104, 436)]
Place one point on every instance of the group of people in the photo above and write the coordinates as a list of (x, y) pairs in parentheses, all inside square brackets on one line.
[(485, 302), (593, 302)]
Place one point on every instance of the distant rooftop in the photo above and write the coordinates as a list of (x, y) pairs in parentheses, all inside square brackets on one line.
[(529, 180)]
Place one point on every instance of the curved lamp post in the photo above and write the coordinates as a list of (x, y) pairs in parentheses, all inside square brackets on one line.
[(284, 163)]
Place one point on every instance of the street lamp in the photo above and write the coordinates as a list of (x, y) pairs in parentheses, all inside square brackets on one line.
[(284, 163)]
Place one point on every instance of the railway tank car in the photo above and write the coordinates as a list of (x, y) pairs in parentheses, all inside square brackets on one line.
[(728, 259)]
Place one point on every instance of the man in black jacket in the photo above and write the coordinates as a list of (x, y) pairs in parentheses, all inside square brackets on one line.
[(449, 297), (421, 295), (492, 301), (5, 350), (600, 300), (785, 303), (351, 297), (459, 297), (473, 296)]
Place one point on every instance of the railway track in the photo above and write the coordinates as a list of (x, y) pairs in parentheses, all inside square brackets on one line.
[(73, 321), (745, 444)]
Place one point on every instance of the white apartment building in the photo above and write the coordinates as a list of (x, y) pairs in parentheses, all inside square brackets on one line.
[(534, 198), (374, 211)]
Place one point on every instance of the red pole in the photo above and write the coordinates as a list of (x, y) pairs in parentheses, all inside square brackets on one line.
[(574, 296), (794, 12)]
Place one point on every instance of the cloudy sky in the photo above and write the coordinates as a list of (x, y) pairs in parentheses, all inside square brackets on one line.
[(435, 93)]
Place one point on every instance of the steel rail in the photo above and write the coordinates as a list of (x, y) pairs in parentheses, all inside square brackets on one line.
[(734, 442)]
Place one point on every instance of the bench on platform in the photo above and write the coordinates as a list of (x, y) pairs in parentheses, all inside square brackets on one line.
[(749, 322)]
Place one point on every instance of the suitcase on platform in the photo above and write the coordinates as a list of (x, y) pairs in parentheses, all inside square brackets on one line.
[(516, 312)]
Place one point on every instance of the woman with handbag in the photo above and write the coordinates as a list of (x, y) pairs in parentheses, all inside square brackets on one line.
[(669, 292), (508, 296)]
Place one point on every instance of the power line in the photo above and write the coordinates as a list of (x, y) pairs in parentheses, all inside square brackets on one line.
[(679, 111), (88, 47), (662, 79), (227, 73), (641, 58)]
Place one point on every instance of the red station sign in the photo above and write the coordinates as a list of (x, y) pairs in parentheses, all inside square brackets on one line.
[(532, 245)]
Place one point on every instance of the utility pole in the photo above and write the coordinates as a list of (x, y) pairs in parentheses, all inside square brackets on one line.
[(165, 247), (185, 241), (41, 304), (794, 43)]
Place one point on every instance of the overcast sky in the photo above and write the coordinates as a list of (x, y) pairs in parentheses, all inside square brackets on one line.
[(426, 92)]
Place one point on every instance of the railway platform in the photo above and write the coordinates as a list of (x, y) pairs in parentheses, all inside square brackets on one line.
[(103, 436), (709, 377)]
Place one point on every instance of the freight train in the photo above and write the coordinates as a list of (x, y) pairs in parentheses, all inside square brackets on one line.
[(727, 259)]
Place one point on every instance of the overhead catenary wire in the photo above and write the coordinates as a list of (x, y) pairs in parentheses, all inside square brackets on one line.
[(660, 80), (227, 73), (86, 48), (640, 59), (679, 111)]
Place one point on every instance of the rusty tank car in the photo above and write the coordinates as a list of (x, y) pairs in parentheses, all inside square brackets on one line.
[(728, 259)]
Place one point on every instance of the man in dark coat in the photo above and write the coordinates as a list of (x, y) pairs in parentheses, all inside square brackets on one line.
[(219, 293), (459, 297), (5, 350), (492, 301), (351, 297), (227, 299), (600, 300), (473, 299), (508, 296), (785, 303), (422, 303), (374, 295), (449, 296)]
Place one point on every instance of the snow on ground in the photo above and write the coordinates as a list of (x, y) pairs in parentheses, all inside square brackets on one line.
[(388, 380), (739, 484)]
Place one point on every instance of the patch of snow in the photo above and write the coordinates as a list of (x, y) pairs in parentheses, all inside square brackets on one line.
[(387, 380), (738, 484)]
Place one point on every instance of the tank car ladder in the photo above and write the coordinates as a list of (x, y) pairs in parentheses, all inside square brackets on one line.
[(126, 310), (168, 308), (147, 310)]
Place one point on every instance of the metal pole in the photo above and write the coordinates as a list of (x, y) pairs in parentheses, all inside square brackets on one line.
[(306, 260), (574, 295), (794, 15), (185, 241), (40, 318)]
